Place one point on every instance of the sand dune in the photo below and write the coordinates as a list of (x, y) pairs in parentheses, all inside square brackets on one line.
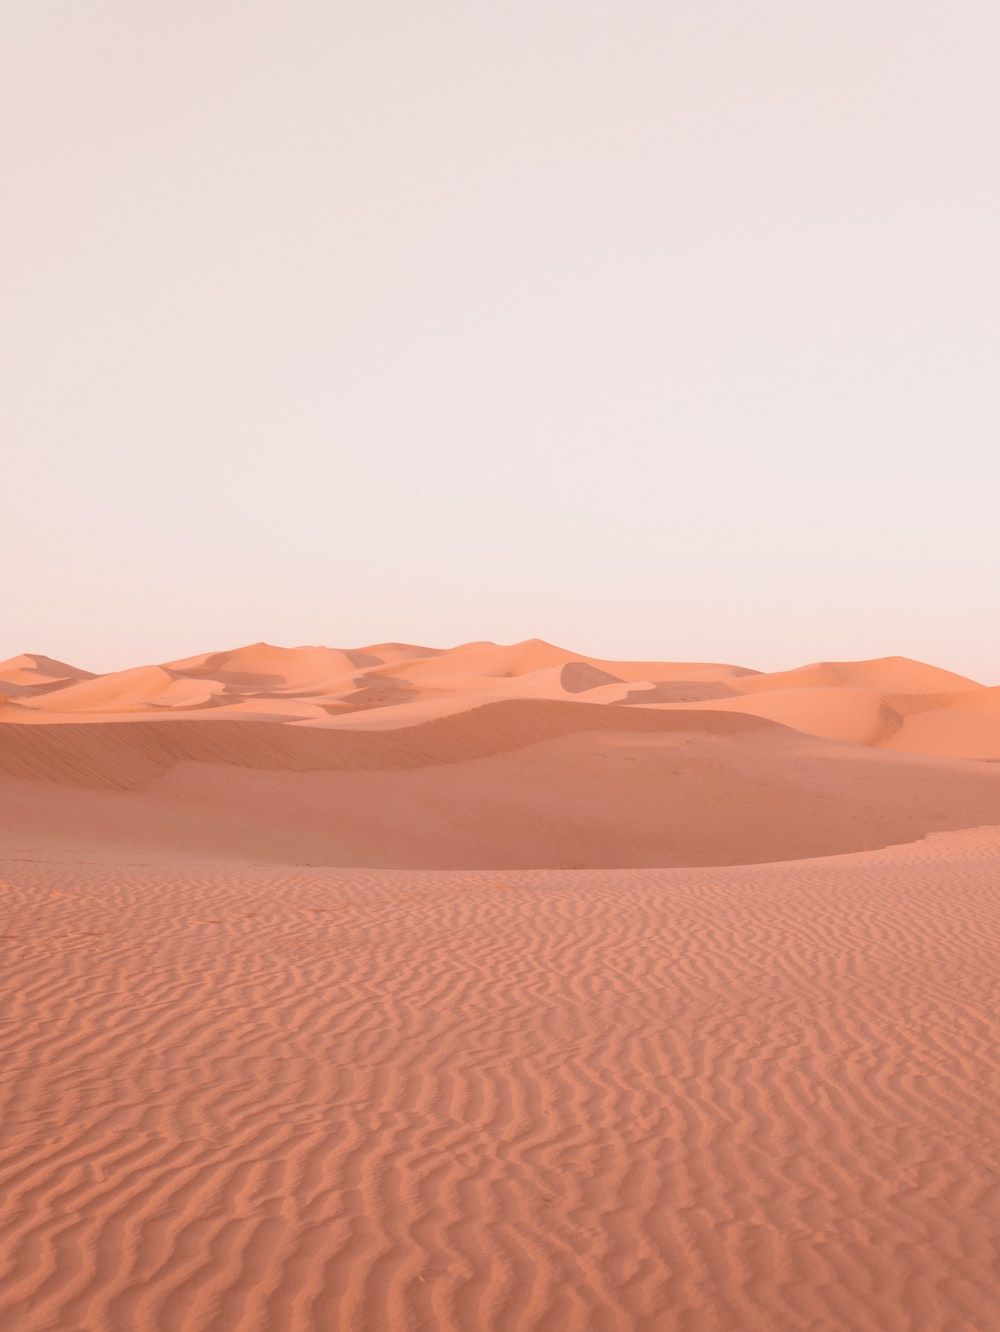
[(497, 987), (891, 674), (124, 756), (751, 1098), (31, 674), (519, 783), (391, 685), (525, 755), (854, 715), (969, 725)]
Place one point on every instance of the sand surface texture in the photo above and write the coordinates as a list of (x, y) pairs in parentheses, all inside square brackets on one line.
[(497, 988), (755, 1097)]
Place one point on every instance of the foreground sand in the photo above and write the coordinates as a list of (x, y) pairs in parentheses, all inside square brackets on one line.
[(756, 1097)]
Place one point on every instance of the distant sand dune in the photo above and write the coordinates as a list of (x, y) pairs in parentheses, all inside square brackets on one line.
[(899, 674), (389, 685), (31, 675)]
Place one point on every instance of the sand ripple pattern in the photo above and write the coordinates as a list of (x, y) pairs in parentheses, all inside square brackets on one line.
[(749, 1098)]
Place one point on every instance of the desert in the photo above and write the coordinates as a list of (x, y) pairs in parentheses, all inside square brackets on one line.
[(499, 667), (497, 987)]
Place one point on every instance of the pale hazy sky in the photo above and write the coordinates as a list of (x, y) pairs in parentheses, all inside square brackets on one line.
[(654, 329)]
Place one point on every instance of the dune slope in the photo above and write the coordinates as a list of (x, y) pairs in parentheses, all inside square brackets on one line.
[(519, 783), (390, 685)]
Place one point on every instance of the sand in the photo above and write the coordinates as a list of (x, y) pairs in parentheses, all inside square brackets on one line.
[(395, 988)]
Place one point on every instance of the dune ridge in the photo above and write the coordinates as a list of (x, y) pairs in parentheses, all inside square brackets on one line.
[(123, 756), (891, 702)]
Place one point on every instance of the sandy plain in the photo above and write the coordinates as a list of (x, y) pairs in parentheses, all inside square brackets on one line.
[(497, 987)]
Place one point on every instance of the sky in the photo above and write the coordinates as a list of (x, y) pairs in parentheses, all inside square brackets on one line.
[(655, 329)]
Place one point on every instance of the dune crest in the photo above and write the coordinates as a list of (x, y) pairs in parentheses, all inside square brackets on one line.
[(891, 702)]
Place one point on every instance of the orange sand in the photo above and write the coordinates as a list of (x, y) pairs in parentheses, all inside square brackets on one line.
[(509, 1071)]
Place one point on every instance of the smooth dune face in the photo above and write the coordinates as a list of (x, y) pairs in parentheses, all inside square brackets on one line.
[(893, 674), (519, 783), (496, 988), (754, 1098), (970, 725)]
